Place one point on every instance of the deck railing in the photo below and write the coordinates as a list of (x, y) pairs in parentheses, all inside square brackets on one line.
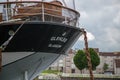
[(38, 11)]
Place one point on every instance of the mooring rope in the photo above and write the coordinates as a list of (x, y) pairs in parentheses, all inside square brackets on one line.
[(88, 55)]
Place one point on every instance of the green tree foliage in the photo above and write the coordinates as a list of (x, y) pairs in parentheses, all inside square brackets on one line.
[(51, 71), (80, 59), (105, 66), (95, 59)]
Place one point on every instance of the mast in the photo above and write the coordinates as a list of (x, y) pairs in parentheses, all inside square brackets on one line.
[(74, 4), (64, 3)]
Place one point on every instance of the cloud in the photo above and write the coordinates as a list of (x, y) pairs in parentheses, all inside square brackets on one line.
[(84, 14), (117, 18), (112, 36), (102, 19), (90, 37)]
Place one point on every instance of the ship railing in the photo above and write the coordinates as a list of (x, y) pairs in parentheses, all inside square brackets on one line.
[(38, 11)]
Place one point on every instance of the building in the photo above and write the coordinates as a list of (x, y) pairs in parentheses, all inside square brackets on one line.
[(66, 65), (112, 59), (117, 66), (108, 58)]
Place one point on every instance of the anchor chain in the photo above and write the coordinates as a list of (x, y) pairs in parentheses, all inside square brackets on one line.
[(88, 55)]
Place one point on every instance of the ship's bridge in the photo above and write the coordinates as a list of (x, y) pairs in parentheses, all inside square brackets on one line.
[(53, 11)]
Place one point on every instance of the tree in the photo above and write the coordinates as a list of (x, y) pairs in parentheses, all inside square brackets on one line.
[(105, 66), (80, 59), (95, 59)]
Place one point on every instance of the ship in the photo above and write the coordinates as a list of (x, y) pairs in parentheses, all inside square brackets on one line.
[(33, 35)]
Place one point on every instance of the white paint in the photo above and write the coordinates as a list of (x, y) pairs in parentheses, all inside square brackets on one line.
[(8, 57), (58, 38), (55, 45), (26, 75)]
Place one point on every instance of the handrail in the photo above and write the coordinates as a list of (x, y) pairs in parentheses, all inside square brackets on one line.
[(32, 8), (14, 2)]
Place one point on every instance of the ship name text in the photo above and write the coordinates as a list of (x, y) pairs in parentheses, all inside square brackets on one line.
[(61, 39)]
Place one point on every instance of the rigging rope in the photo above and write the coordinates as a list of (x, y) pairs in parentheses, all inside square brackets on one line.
[(4, 45), (88, 55), (70, 13)]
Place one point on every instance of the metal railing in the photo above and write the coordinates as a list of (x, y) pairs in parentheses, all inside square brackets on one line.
[(87, 75), (38, 11)]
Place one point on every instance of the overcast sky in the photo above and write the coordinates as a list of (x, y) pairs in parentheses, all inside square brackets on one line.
[(101, 18)]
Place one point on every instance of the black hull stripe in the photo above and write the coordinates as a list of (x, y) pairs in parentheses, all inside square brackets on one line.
[(39, 37)]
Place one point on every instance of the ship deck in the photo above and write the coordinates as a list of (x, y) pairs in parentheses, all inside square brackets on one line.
[(40, 11)]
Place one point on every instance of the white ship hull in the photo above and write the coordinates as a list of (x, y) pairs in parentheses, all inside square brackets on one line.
[(25, 65)]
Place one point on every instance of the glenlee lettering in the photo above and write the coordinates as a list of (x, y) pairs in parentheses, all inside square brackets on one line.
[(61, 39)]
